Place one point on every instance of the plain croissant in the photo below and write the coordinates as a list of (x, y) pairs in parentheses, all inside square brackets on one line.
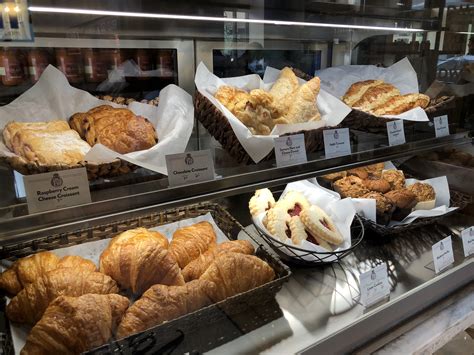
[(190, 242), (30, 303), (234, 273), (76, 262), (138, 259), (198, 266), (162, 303), (72, 325)]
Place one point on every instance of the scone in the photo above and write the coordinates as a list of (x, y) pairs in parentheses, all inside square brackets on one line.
[(383, 205), (425, 195), (395, 178), (117, 128), (350, 186), (404, 201)]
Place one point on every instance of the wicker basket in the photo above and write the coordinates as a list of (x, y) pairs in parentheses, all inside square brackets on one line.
[(94, 171), (223, 321), (219, 127)]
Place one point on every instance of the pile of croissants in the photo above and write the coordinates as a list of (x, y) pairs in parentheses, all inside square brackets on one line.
[(73, 307)]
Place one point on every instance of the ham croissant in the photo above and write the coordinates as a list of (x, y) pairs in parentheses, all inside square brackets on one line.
[(162, 303), (30, 303), (138, 259), (27, 270), (190, 242), (198, 266), (234, 273), (72, 325)]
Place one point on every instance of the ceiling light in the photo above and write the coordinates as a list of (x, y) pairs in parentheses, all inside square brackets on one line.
[(213, 19)]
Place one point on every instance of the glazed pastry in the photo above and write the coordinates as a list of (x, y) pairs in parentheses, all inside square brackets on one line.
[(234, 273), (357, 90), (190, 242), (198, 266), (49, 147), (425, 195), (27, 270), (138, 259), (261, 201), (375, 169), (404, 201), (376, 184), (277, 223), (376, 96), (359, 172), (384, 207), (30, 303), (319, 224), (297, 230), (117, 128), (350, 186), (395, 178), (13, 127), (73, 325), (401, 103), (162, 303)]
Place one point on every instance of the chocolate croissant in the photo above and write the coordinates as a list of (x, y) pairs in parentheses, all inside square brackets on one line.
[(30, 303), (234, 273), (73, 325), (190, 242), (138, 259), (198, 266), (162, 303)]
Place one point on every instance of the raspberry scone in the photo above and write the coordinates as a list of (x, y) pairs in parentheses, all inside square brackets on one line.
[(319, 224)]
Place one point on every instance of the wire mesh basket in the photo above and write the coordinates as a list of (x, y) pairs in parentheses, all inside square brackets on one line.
[(301, 256)]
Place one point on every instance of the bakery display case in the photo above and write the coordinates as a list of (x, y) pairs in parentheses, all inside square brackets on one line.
[(232, 176)]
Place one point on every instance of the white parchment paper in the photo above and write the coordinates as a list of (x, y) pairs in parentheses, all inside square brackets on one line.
[(342, 213), (337, 80), (92, 251), (52, 98), (332, 109)]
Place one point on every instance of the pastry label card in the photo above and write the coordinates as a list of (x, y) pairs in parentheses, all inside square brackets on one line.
[(337, 142), (441, 126), (443, 254), (56, 189), (290, 150), (396, 132), (190, 167), (374, 285), (467, 236)]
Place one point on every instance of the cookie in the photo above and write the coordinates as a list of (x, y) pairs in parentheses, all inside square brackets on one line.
[(297, 229), (261, 201), (277, 223), (319, 224), (294, 202), (318, 241)]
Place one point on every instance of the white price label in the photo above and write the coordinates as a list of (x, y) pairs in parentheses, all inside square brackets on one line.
[(396, 132), (189, 167), (290, 150), (56, 189), (443, 254), (441, 126), (374, 285), (467, 236), (337, 142)]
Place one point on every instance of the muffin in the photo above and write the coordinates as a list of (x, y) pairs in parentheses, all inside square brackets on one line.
[(395, 178), (334, 176), (384, 207), (425, 195), (375, 169), (359, 172), (404, 201), (374, 183), (350, 186)]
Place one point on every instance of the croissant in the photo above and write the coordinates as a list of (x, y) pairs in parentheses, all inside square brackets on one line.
[(30, 303), (138, 259), (190, 242), (198, 266), (72, 325), (234, 273), (162, 303), (27, 270)]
